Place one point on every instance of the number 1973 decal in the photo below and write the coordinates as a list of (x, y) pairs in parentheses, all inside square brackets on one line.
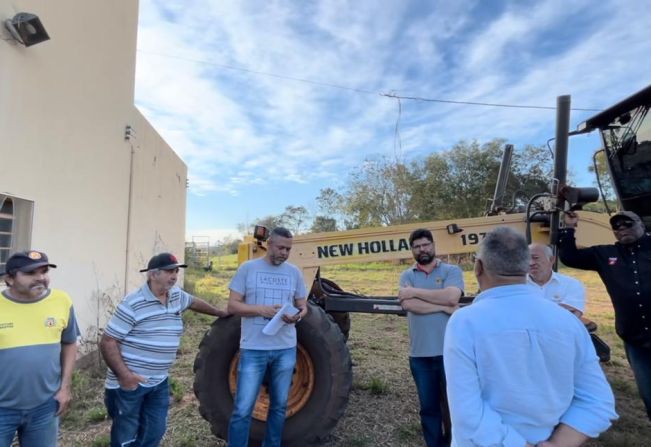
[(472, 238)]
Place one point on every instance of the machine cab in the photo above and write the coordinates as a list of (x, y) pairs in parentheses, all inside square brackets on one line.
[(626, 133)]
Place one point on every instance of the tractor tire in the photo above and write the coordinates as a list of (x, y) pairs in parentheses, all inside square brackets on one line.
[(341, 318), (320, 386)]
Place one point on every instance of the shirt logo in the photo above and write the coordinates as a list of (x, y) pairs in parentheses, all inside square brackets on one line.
[(439, 281), (6, 325), (612, 261), (50, 322)]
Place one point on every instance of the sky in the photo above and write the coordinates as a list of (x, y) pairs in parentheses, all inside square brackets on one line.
[(268, 102)]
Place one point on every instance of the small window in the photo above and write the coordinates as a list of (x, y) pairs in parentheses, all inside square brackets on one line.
[(6, 230), (15, 226)]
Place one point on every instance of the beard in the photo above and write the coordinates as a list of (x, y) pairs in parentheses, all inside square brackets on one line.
[(424, 258), (277, 260)]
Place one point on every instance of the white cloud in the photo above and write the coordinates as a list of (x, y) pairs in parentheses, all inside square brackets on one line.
[(236, 128)]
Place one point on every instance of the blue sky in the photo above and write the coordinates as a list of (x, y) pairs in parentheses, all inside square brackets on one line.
[(218, 80)]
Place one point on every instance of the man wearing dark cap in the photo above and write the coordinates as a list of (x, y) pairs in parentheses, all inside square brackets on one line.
[(625, 269), (38, 348), (139, 346)]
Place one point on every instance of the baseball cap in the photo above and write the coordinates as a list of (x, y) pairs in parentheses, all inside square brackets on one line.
[(27, 261), (625, 215), (163, 261)]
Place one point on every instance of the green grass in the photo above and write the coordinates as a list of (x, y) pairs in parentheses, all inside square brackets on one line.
[(101, 441), (383, 405), (409, 433), (97, 414), (375, 386), (177, 389)]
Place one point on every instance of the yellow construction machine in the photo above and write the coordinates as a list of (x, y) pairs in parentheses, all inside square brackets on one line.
[(323, 375)]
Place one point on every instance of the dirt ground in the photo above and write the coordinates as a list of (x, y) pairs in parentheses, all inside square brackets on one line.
[(382, 408)]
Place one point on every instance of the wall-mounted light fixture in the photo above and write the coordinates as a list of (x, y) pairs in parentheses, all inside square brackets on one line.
[(27, 29)]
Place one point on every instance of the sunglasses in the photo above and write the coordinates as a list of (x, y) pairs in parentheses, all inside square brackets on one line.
[(622, 224)]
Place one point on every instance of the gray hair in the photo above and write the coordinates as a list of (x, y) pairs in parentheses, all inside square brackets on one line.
[(504, 252), (547, 250)]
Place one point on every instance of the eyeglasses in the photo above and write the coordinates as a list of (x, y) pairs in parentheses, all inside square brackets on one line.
[(421, 246), (622, 224)]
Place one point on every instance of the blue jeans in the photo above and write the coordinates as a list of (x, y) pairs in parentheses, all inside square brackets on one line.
[(37, 427), (639, 358), (250, 372), (429, 377), (139, 416)]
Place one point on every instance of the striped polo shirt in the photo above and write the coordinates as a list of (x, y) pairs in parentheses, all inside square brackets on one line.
[(149, 333)]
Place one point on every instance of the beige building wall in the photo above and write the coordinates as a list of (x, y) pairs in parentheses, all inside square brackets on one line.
[(103, 204)]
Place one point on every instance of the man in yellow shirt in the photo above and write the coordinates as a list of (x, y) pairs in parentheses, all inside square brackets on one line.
[(38, 347)]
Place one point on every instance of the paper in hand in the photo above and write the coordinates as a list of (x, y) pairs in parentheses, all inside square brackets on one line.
[(277, 322)]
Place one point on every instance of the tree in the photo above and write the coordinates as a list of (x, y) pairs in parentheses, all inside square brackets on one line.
[(379, 193), (331, 203), (458, 182), (601, 172), (531, 173), (269, 221), (322, 224), (294, 217)]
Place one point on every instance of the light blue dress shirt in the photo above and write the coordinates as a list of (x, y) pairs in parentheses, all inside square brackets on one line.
[(516, 366)]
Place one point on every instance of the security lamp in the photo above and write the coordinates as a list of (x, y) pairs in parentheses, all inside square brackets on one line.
[(260, 233), (27, 29), (577, 197), (453, 228)]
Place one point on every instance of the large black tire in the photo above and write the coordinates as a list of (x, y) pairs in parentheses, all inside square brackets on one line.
[(342, 320), (320, 387), (322, 287)]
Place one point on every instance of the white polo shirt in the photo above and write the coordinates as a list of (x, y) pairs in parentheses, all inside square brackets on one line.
[(563, 289)]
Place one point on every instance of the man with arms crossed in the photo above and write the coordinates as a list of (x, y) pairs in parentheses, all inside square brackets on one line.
[(561, 289), (257, 291), (139, 346), (521, 370), (38, 349), (429, 292)]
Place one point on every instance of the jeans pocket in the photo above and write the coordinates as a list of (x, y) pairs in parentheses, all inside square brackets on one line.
[(125, 390)]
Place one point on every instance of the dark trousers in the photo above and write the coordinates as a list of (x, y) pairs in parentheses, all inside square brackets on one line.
[(639, 357), (429, 377)]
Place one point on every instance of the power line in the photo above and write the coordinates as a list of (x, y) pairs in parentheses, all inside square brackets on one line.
[(397, 141), (356, 90), (263, 73), (487, 104)]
